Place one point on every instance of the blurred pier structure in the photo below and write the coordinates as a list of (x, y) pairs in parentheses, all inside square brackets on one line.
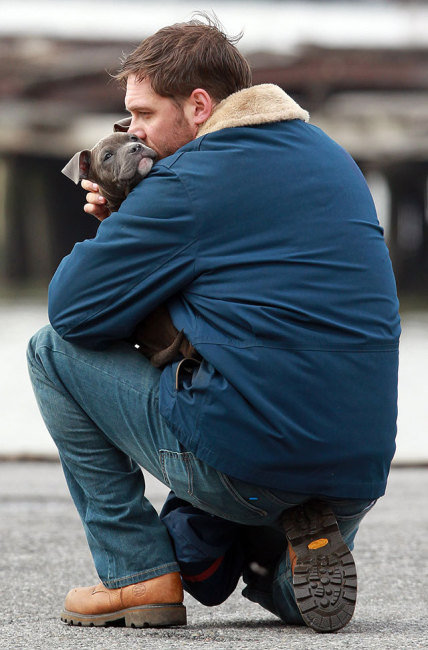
[(56, 98)]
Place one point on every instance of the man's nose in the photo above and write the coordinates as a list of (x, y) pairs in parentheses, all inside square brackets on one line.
[(137, 130)]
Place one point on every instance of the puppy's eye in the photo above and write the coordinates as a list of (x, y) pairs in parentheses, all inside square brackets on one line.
[(107, 155), (133, 138)]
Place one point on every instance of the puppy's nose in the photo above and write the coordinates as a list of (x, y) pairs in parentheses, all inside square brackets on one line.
[(136, 147)]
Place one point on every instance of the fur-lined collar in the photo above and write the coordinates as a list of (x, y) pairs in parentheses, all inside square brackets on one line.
[(256, 105)]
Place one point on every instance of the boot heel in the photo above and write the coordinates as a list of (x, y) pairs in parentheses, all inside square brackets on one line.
[(156, 616)]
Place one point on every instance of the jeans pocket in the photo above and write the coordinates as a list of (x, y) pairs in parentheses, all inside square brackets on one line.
[(177, 472), (233, 487), (284, 499), (346, 510), (206, 488)]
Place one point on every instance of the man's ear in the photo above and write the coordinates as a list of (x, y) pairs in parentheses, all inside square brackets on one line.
[(78, 167), (201, 105)]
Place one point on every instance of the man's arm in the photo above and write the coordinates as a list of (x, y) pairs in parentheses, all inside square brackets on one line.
[(141, 256)]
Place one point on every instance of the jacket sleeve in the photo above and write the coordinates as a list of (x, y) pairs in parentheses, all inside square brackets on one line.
[(141, 255)]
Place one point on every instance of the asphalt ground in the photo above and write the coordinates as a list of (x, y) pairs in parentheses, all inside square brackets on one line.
[(43, 553)]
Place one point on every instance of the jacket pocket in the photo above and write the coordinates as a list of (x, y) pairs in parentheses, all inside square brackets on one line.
[(184, 371)]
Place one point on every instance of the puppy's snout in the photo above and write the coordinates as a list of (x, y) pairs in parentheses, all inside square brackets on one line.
[(136, 147)]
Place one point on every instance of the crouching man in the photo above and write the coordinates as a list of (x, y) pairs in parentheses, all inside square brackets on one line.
[(259, 234)]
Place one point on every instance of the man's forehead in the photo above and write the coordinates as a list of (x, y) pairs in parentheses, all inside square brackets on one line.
[(139, 92)]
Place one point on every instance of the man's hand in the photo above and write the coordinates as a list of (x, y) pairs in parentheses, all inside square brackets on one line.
[(96, 204)]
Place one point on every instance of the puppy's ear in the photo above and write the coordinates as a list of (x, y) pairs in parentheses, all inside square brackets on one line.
[(122, 126), (78, 167)]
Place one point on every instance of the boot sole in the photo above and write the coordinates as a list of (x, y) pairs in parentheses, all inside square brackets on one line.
[(325, 577), (147, 616)]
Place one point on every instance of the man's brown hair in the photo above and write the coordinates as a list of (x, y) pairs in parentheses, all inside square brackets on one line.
[(179, 58)]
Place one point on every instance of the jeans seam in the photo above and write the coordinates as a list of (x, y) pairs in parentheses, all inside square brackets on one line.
[(100, 370), (189, 475), (35, 368), (108, 567), (163, 468)]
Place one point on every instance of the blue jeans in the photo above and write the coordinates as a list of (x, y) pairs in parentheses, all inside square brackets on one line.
[(102, 411)]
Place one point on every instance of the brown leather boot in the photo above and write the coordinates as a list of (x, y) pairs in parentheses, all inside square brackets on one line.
[(152, 603)]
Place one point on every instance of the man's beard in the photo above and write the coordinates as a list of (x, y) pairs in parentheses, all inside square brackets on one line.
[(181, 134)]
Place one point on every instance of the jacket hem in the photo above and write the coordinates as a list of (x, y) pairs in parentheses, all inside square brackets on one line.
[(339, 487)]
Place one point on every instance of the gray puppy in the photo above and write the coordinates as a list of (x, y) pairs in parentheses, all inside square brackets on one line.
[(117, 163)]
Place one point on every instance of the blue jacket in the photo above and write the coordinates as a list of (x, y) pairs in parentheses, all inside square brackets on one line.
[(264, 241)]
